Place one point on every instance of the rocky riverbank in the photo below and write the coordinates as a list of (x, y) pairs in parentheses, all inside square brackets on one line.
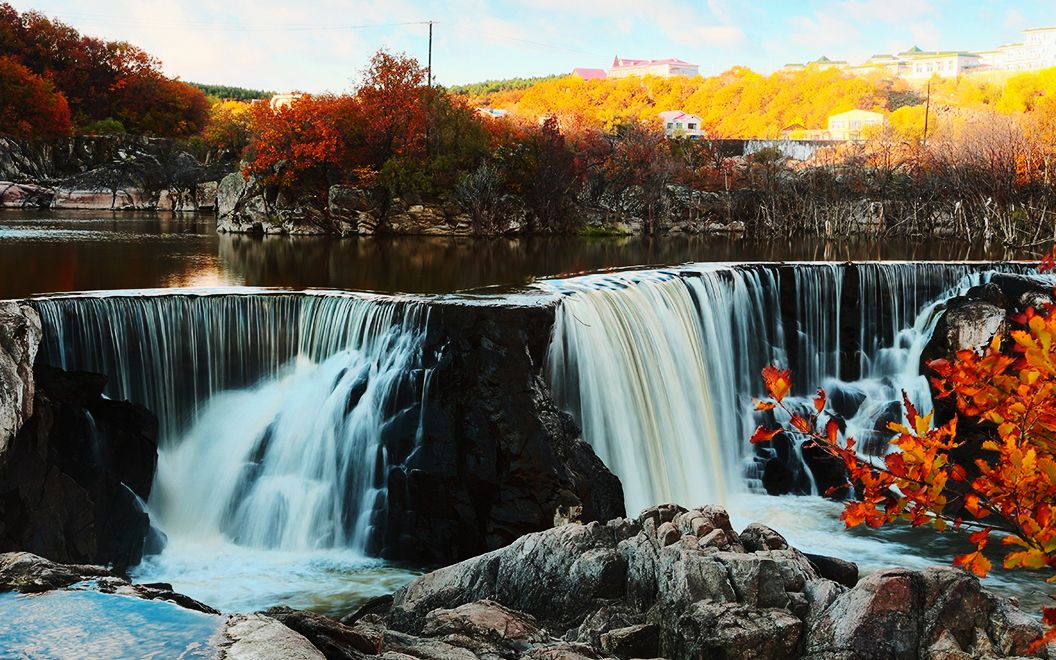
[(114, 173), (671, 583)]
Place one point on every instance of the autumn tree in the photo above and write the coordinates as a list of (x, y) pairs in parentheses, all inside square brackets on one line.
[(392, 101), (29, 105), (1006, 494), (102, 80), (229, 126), (306, 145)]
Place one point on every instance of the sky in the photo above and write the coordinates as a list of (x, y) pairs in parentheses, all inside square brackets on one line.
[(322, 45)]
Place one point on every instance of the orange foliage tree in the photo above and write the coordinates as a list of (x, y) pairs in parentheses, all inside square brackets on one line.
[(1009, 392), (29, 105), (102, 79), (306, 144)]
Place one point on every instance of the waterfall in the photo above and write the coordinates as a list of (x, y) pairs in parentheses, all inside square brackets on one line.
[(650, 364), (273, 405), (659, 367)]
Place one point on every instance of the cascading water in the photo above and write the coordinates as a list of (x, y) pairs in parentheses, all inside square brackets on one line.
[(659, 367), (650, 364), (273, 408)]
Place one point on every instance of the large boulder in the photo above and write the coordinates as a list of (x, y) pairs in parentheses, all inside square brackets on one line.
[(20, 334), (682, 583), (73, 479)]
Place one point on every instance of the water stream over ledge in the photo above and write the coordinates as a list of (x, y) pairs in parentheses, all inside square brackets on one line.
[(273, 401)]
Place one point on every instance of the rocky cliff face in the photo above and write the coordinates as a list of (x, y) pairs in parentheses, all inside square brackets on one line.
[(20, 334), (495, 459), (106, 173), (73, 478)]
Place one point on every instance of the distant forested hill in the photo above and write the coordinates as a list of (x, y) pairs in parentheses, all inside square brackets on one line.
[(227, 92)]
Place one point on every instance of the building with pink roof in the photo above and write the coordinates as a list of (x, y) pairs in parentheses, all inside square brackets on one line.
[(623, 67), (588, 74)]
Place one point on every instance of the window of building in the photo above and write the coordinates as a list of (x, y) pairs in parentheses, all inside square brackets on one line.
[(692, 127)]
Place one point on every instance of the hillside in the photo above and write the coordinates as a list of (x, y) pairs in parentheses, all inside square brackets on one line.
[(741, 103)]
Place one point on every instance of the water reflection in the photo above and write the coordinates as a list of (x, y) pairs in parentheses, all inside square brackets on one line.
[(44, 252)]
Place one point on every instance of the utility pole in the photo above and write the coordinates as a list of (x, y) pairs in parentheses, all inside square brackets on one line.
[(429, 68), (927, 113)]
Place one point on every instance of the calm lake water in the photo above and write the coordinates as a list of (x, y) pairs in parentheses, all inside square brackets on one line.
[(45, 252)]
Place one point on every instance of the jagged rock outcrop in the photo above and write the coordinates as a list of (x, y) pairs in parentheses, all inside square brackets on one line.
[(672, 583), (247, 206), (20, 334), (486, 456), (106, 173), (683, 584), (73, 478)]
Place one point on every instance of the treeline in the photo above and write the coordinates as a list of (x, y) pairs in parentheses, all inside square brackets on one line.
[(55, 81), (741, 103), (229, 93), (482, 89), (981, 173)]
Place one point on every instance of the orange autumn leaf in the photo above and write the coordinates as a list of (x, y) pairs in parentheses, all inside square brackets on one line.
[(778, 382), (763, 434)]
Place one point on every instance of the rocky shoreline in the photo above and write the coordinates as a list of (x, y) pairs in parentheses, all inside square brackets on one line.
[(671, 583)]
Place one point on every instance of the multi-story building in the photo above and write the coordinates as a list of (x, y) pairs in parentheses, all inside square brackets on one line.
[(1036, 51), (623, 67)]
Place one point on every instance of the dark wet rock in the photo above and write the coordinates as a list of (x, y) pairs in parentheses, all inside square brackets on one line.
[(756, 537), (493, 458), (336, 640), (637, 641), (74, 478), (379, 605), (671, 597), (778, 477), (835, 569), (735, 632), (1023, 291)]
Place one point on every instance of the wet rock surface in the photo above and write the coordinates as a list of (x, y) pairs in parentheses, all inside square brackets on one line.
[(624, 589), (20, 333), (73, 478), (485, 456)]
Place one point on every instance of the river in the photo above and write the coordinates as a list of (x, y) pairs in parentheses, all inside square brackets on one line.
[(46, 252), (69, 252)]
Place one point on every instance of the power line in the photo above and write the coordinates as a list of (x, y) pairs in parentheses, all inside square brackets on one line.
[(103, 20)]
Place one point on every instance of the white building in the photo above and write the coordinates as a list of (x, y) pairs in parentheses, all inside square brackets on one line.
[(853, 124), (1037, 51), (285, 100), (623, 68), (681, 124)]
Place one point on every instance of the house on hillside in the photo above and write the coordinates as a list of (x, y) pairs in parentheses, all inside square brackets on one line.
[(681, 124), (853, 124), (588, 74), (284, 100), (623, 68)]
